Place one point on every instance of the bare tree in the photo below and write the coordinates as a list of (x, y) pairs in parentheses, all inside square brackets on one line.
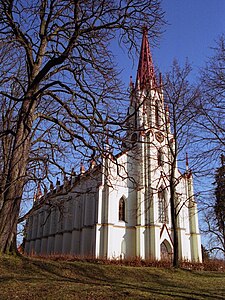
[(182, 98), (214, 218), (210, 133), (58, 78), (213, 102)]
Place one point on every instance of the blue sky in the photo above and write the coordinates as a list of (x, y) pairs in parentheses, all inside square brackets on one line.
[(194, 25)]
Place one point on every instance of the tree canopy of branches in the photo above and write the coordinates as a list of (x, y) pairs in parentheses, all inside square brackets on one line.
[(219, 206), (211, 136), (181, 97), (212, 108), (214, 214), (58, 79)]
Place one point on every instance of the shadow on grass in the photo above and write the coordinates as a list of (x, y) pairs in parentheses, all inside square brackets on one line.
[(125, 281)]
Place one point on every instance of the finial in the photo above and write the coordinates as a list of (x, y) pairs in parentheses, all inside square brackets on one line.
[(188, 171), (167, 108), (144, 29), (51, 186), (35, 198), (73, 173), (66, 180), (82, 168), (107, 141), (92, 164), (131, 84), (45, 190), (107, 136), (73, 176), (160, 80), (187, 165), (57, 182), (39, 192)]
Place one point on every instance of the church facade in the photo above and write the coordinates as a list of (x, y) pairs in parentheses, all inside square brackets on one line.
[(121, 208)]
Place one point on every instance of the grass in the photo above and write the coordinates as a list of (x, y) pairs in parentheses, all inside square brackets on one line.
[(36, 278)]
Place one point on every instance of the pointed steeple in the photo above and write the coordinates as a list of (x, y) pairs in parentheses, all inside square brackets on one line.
[(145, 74)]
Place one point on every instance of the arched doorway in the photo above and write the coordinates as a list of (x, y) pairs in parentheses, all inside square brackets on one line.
[(166, 250)]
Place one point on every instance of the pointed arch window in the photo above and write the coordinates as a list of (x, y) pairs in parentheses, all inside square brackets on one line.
[(162, 206), (160, 157), (122, 209), (134, 138), (157, 114)]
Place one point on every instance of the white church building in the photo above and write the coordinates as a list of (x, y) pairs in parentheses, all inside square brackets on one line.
[(121, 208)]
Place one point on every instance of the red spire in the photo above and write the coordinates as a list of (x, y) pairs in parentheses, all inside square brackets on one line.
[(145, 73)]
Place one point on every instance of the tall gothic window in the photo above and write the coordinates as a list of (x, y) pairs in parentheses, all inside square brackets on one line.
[(156, 113), (134, 138), (160, 157), (122, 210), (162, 206)]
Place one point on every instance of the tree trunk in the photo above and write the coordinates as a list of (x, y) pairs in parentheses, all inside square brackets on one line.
[(174, 217), (16, 178)]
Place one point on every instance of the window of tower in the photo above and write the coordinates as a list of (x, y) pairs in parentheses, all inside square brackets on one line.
[(134, 138), (122, 210), (160, 158), (162, 206), (157, 122)]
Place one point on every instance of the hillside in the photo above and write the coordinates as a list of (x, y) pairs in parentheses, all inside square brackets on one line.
[(43, 279)]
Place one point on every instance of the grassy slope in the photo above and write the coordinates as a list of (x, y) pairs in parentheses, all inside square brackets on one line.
[(41, 279)]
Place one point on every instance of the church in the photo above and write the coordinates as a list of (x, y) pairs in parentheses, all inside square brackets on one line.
[(120, 209)]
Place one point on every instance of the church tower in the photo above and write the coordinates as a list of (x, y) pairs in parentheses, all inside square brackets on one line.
[(150, 142)]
